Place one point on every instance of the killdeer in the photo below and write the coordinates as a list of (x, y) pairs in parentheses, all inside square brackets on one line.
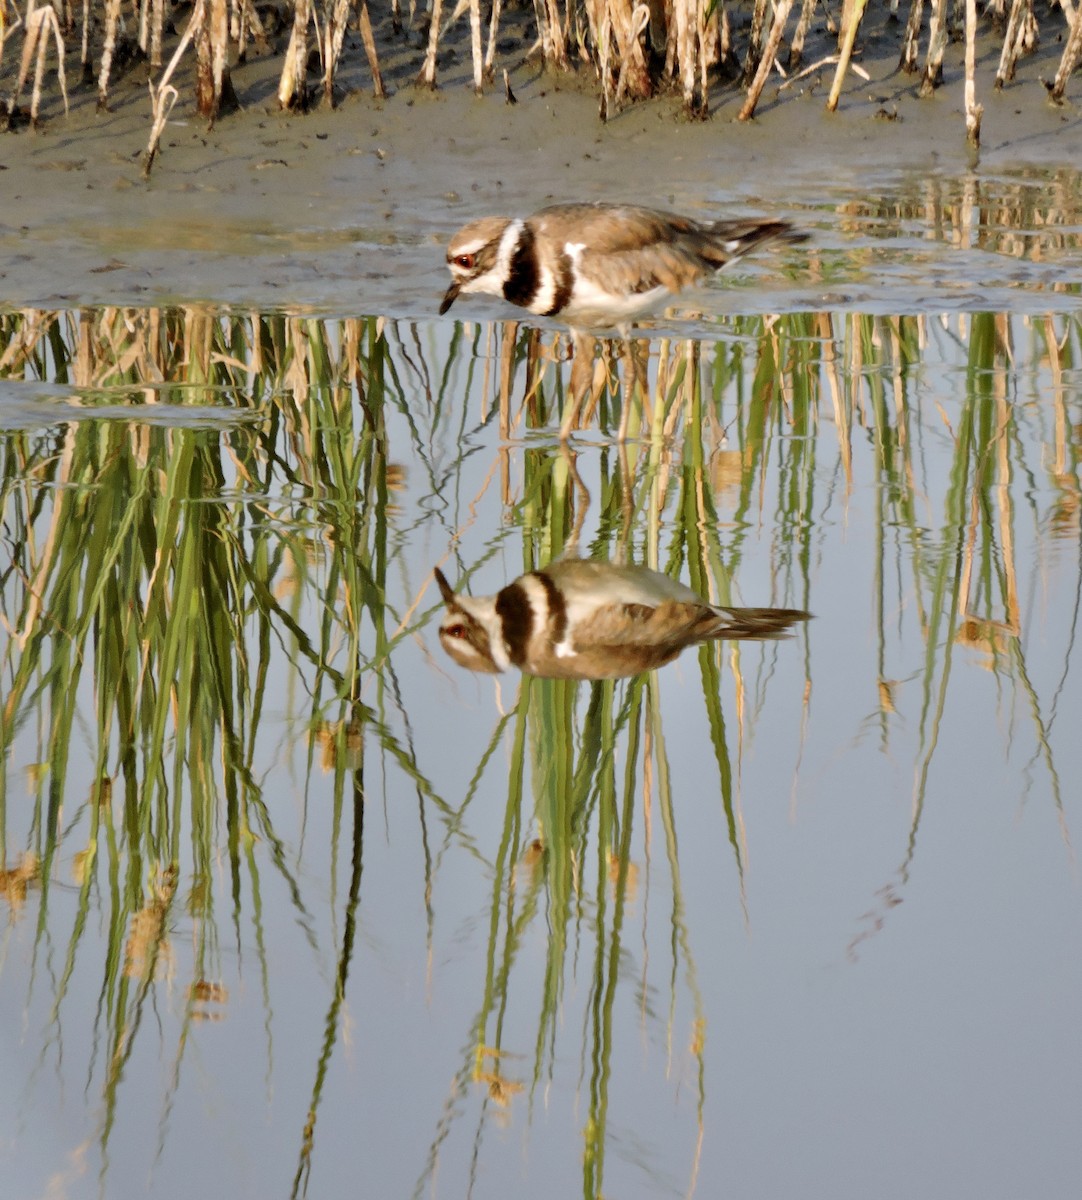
[(597, 265), (581, 619)]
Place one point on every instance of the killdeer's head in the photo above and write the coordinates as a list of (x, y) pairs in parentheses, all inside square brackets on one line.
[(479, 257), (469, 631)]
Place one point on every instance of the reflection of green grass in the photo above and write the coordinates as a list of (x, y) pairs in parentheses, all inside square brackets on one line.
[(131, 581), (161, 582)]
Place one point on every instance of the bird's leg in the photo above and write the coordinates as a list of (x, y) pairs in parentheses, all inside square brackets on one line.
[(582, 373), (580, 503), (632, 375)]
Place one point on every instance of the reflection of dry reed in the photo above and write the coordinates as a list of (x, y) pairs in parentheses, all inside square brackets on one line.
[(202, 994), (500, 1089), (341, 745), (1034, 216), (148, 953), (16, 881)]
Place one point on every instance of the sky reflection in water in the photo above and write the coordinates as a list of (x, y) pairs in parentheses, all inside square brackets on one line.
[(295, 906)]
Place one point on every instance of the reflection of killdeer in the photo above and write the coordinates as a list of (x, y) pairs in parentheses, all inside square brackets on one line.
[(597, 265), (578, 619)]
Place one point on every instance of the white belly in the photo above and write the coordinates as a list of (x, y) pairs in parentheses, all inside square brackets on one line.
[(590, 305)]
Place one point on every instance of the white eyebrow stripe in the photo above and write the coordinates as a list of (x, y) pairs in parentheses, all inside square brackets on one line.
[(508, 245)]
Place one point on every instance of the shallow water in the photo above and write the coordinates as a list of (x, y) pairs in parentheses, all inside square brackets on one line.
[(295, 906)]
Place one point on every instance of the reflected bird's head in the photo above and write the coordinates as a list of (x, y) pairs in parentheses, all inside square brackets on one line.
[(584, 619), (466, 629)]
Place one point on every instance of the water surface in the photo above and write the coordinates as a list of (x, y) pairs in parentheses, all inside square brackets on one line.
[(293, 906)]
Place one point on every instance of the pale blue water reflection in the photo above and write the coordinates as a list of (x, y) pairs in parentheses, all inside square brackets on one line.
[(294, 906)]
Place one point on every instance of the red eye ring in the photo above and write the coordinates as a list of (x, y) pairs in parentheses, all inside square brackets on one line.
[(465, 261), (455, 631)]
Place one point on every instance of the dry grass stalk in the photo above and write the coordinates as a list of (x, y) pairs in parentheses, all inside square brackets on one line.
[(164, 96), (292, 84), (709, 42), (911, 38), (796, 46), (937, 45), (552, 36), (845, 53), (162, 102), (334, 32), (1072, 52), (603, 42), (973, 109), (157, 19), (475, 46), (39, 23), (490, 50), (766, 65), (685, 53), (213, 87), (370, 52), (8, 25), (755, 43), (112, 26), (427, 77), (244, 20), (1020, 38), (87, 72), (628, 24)]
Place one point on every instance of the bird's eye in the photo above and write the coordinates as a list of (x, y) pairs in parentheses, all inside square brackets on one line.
[(455, 631), (465, 261)]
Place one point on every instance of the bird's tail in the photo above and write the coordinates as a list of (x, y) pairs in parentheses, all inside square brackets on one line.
[(761, 623), (734, 239)]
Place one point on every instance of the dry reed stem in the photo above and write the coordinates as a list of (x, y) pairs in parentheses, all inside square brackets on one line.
[(911, 38), (84, 52), (427, 77), (369, 41), (9, 25), (1071, 54), (845, 53), (766, 64), (157, 19), (937, 45), (490, 51), (212, 83), (829, 61), (973, 109), (634, 76), (755, 43), (165, 95), (333, 36), (709, 42), (1020, 37), (292, 87), (796, 46), (112, 23), (603, 42), (475, 46), (39, 22), (554, 35), (629, 24), (685, 57)]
